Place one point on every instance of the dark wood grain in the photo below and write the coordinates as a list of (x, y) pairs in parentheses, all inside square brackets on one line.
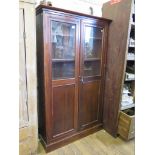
[(89, 104), (63, 109), (117, 48), (40, 75)]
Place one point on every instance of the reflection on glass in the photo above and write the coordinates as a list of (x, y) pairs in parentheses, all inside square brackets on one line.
[(92, 51), (63, 40), (94, 32), (63, 50), (93, 42)]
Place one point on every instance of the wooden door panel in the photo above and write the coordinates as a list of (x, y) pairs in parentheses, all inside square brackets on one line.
[(63, 109), (89, 107)]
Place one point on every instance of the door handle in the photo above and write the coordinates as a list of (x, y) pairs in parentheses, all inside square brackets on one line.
[(81, 79)]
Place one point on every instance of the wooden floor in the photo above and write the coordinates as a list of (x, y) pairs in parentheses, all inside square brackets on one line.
[(99, 143)]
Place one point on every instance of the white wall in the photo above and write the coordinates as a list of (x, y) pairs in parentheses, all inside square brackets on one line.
[(28, 132), (79, 5)]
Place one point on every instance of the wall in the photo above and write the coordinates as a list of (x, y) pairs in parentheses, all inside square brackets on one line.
[(28, 128), (79, 5)]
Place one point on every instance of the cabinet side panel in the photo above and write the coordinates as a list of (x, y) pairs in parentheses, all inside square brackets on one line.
[(40, 74), (117, 48)]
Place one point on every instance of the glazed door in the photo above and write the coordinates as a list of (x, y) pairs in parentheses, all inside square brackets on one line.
[(64, 76), (91, 73)]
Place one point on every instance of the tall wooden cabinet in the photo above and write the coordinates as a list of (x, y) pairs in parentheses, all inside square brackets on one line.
[(71, 57)]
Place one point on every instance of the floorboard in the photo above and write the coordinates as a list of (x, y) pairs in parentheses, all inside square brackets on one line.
[(99, 143)]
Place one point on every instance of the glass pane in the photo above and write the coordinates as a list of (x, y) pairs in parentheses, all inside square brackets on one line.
[(92, 51), (93, 42), (91, 68), (93, 32), (63, 49), (63, 40), (63, 70)]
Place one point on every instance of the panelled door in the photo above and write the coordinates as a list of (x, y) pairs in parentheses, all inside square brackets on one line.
[(64, 55), (91, 74)]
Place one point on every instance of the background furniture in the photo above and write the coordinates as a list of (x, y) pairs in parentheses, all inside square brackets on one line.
[(120, 63), (71, 54), (126, 124)]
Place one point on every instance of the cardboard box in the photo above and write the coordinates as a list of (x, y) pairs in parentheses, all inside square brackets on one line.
[(126, 124)]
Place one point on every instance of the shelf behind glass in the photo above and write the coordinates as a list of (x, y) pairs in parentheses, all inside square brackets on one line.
[(92, 59), (92, 68), (63, 70), (62, 60)]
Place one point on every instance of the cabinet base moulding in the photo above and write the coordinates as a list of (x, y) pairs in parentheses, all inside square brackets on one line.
[(57, 144)]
